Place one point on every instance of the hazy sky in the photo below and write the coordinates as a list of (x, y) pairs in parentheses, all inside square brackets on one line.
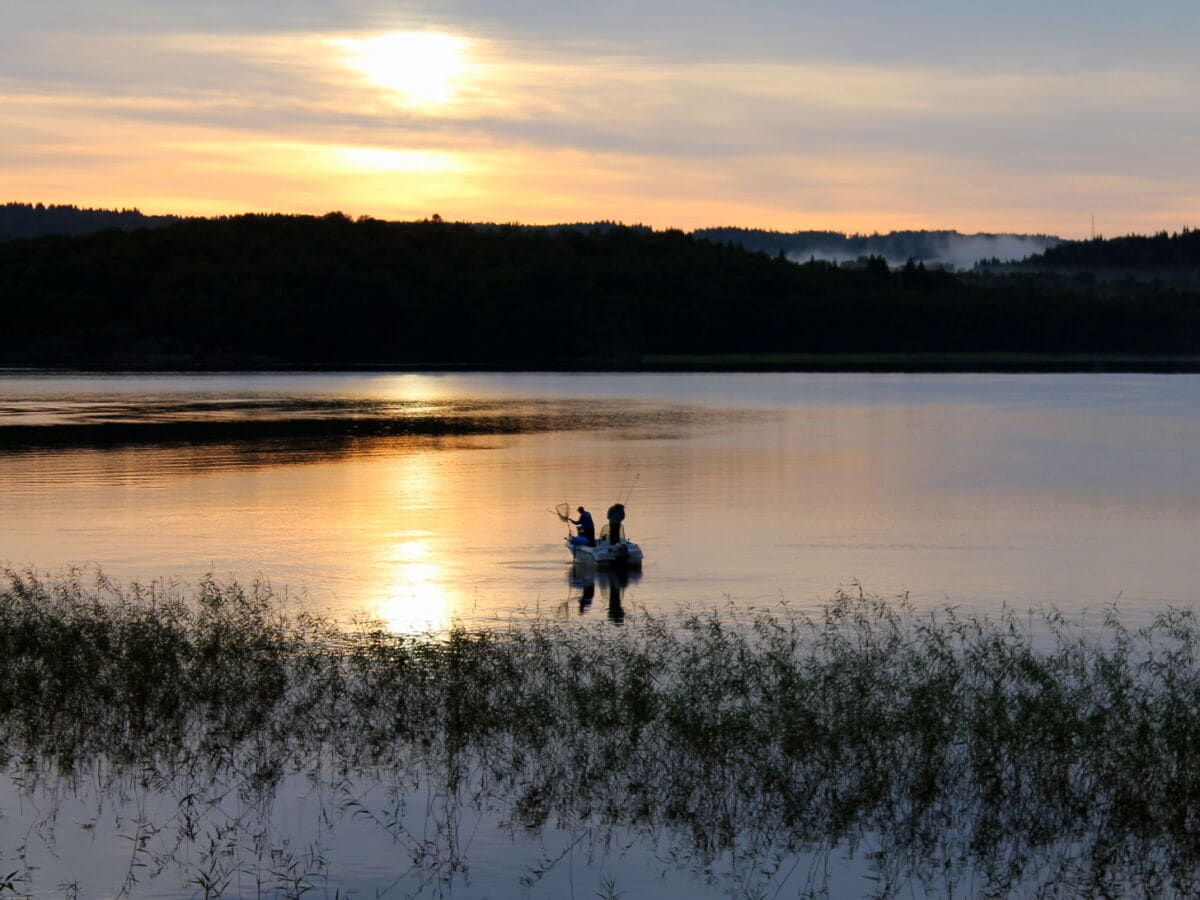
[(858, 115)]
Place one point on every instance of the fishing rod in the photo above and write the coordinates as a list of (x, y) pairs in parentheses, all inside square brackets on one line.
[(632, 485)]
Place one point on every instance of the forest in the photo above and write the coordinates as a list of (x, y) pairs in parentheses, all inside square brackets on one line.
[(20, 220), (1168, 254), (281, 290)]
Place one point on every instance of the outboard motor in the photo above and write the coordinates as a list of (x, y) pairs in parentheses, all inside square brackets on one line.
[(616, 515)]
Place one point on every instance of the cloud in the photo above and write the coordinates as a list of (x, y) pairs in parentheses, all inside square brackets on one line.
[(553, 114)]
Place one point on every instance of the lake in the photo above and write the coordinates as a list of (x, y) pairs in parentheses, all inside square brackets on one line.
[(424, 499), (421, 501)]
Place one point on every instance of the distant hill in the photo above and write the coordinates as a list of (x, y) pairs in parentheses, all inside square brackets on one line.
[(26, 220), (941, 248), (601, 227), (1177, 253), (305, 290)]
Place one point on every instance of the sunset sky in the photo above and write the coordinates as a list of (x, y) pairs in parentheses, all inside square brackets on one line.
[(856, 115)]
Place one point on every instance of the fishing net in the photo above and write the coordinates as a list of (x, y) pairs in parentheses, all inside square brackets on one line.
[(564, 511)]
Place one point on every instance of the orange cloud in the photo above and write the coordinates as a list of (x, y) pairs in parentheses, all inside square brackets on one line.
[(401, 124)]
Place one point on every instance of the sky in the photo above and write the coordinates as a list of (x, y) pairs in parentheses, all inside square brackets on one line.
[(856, 116)]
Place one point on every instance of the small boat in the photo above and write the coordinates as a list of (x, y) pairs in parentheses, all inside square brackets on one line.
[(612, 550), (605, 554)]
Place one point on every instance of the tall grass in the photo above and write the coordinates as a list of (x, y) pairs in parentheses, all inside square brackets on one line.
[(954, 753)]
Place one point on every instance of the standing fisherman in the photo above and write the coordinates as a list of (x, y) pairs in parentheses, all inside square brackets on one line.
[(587, 528)]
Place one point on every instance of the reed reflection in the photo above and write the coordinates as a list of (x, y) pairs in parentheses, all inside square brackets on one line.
[(939, 752)]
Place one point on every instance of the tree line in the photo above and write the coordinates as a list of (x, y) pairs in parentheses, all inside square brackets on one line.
[(20, 220), (946, 248), (303, 290), (1178, 252)]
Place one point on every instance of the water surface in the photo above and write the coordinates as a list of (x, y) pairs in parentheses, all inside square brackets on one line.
[(422, 499)]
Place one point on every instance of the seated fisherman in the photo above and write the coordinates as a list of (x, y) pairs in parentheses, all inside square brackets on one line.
[(587, 528)]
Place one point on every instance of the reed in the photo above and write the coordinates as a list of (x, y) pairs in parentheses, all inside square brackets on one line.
[(981, 755)]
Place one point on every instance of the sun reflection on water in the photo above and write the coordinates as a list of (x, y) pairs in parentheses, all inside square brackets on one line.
[(416, 599)]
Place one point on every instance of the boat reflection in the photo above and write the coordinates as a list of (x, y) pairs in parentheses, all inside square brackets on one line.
[(611, 582)]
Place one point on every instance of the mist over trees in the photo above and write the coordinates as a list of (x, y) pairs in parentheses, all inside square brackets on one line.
[(943, 248), (302, 290)]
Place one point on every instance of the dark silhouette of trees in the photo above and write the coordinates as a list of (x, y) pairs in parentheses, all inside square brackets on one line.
[(1161, 252), (18, 220), (301, 290)]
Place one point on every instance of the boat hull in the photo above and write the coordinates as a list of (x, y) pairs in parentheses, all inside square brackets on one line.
[(605, 555)]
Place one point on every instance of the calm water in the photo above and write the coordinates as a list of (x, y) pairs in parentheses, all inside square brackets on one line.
[(423, 499)]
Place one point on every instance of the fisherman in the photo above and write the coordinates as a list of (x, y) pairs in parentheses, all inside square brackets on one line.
[(587, 528), (616, 515)]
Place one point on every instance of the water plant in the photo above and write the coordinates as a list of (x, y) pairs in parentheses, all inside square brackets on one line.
[(952, 754)]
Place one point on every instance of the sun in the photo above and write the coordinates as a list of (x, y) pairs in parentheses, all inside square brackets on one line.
[(422, 68)]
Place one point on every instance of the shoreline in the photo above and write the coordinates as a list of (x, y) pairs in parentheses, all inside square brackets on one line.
[(882, 363)]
